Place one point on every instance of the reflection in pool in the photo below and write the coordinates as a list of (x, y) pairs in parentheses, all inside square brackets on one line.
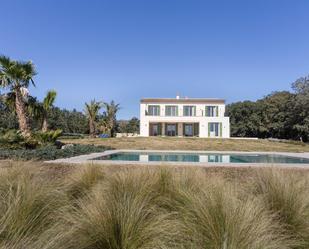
[(202, 157)]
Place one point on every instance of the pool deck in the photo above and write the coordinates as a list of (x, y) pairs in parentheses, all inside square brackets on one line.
[(90, 159)]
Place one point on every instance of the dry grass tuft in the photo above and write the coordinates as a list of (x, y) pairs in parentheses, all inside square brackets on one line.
[(82, 180), (148, 208), (286, 196), (28, 206), (121, 212)]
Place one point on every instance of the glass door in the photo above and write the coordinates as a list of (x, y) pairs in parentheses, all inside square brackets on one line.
[(155, 129), (214, 129), (171, 130), (188, 130)]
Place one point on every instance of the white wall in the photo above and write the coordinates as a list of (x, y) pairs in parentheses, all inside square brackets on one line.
[(144, 122), (199, 118)]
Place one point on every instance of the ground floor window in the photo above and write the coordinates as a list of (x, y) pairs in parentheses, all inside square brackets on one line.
[(171, 129), (214, 129), (190, 130), (155, 129)]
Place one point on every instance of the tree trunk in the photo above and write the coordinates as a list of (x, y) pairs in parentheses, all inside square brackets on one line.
[(45, 125), (21, 112), (91, 128)]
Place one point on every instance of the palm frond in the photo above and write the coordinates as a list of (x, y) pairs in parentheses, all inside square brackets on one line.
[(16, 73), (49, 99), (92, 109)]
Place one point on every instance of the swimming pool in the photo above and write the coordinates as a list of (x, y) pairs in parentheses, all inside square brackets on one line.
[(203, 157)]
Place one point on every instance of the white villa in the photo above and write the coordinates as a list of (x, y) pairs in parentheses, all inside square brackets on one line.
[(183, 117)]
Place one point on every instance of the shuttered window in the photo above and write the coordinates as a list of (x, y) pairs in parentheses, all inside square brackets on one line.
[(153, 110), (212, 111), (189, 110), (171, 110)]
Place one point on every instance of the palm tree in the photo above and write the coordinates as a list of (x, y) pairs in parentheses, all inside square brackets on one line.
[(46, 107), (17, 76), (92, 110), (110, 116)]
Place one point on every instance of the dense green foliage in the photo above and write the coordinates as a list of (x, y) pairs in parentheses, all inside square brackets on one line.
[(16, 76), (68, 121), (48, 136), (151, 208), (129, 126), (283, 115), (48, 152), (13, 139)]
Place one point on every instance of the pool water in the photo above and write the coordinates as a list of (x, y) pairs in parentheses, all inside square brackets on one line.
[(202, 157)]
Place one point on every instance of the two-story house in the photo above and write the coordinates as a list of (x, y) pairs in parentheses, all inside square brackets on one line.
[(183, 117)]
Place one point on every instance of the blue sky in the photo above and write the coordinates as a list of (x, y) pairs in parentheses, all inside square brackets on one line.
[(126, 50)]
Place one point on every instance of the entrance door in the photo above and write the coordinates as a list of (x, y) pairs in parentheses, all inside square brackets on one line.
[(171, 130)]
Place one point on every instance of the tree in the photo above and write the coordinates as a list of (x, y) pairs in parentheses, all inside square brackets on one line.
[(46, 107), (129, 126), (301, 108), (8, 118), (276, 113), (32, 106), (133, 125), (109, 120), (17, 76), (92, 110), (245, 119)]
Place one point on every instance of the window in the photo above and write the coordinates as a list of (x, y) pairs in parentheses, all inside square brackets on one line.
[(155, 129), (188, 130), (153, 110), (171, 130), (189, 110), (212, 111), (171, 110), (214, 129)]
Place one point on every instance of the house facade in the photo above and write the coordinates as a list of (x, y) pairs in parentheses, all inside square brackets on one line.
[(188, 117)]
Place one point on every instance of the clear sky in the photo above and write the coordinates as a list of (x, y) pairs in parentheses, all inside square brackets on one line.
[(126, 50)]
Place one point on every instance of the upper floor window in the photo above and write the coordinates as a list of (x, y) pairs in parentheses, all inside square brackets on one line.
[(212, 111), (189, 110), (153, 110), (171, 110)]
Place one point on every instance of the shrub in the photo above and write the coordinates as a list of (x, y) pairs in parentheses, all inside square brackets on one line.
[(215, 214), (48, 136), (216, 218), (28, 207), (286, 196), (11, 139), (82, 181), (121, 213), (49, 152)]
